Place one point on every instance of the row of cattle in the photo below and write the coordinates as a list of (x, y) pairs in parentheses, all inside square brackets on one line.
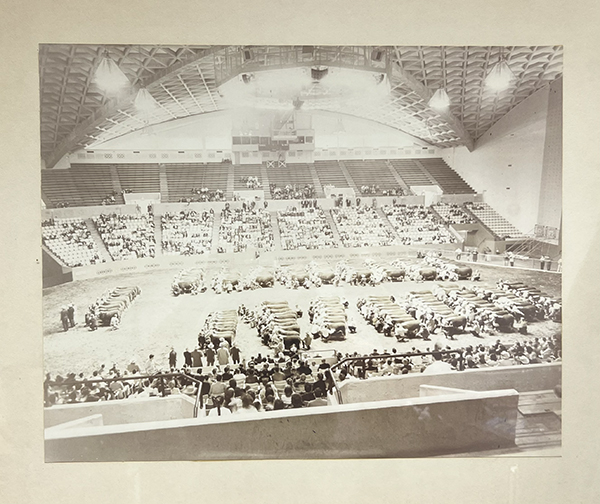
[(218, 326), (384, 313), (115, 302), (188, 281), (329, 314), (282, 323)]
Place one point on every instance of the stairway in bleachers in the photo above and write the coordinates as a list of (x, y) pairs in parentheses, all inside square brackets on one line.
[(445, 177), (158, 235), (330, 173), (164, 185), (116, 185), (298, 174), (316, 182), (348, 177), (100, 245), (230, 183), (411, 172), (370, 172), (334, 229), (214, 244), (386, 222), (276, 234), (397, 177)]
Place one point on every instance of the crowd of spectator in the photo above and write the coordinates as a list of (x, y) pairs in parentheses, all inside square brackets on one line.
[(71, 241), (305, 229), (187, 232), (204, 194), (251, 182), (361, 227), (453, 213), (417, 224), (127, 236), (292, 191), (244, 228)]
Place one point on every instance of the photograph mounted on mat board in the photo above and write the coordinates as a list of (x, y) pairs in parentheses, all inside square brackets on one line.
[(295, 252)]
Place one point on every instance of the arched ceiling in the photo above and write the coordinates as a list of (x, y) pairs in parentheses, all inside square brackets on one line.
[(185, 81)]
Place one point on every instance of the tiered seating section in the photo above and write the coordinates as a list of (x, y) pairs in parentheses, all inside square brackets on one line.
[(417, 224), (127, 236), (293, 182), (373, 176), (361, 227), (450, 181), (247, 177), (70, 241), (306, 228), (411, 172), (245, 228), (493, 220), (197, 182), (453, 214), (187, 232), (142, 178), (90, 184), (330, 173)]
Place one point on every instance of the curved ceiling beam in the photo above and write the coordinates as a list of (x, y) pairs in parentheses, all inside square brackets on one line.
[(112, 107), (425, 93)]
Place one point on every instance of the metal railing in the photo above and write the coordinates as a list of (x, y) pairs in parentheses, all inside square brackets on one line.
[(160, 376)]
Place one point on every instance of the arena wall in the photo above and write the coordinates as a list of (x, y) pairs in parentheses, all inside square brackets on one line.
[(520, 378), (420, 426), (506, 164)]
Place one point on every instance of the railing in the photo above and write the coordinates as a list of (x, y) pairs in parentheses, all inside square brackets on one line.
[(363, 360), (161, 376)]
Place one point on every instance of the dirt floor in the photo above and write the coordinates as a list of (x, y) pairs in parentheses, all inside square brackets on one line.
[(156, 320)]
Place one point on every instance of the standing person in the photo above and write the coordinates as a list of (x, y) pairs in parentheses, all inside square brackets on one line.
[(223, 355), (187, 356), (548, 263), (196, 358), (559, 265), (458, 253), (64, 318), (71, 314), (172, 358), (542, 262), (511, 259), (150, 365), (210, 355), (235, 353)]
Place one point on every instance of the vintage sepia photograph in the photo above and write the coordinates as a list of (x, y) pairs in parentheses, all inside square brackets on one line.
[(301, 252)]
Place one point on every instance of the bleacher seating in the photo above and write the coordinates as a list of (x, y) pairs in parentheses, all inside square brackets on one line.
[(450, 181), (361, 227), (139, 178), (371, 172), (453, 214), (94, 183), (60, 188), (182, 178), (493, 220), (127, 236), (242, 173), (187, 233), (411, 172), (245, 228), (305, 228), (417, 224), (70, 241), (330, 173), (294, 176)]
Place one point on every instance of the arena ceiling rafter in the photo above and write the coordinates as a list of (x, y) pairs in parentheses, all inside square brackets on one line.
[(185, 80)]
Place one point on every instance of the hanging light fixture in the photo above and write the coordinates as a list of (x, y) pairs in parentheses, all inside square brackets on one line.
[(440, 100), (144, 102), (109, 77), (500, 76)]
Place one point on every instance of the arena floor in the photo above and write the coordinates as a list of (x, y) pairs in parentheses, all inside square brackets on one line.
[(156, 320)]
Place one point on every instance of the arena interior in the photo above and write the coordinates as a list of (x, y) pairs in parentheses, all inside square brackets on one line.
[(373, 230)]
